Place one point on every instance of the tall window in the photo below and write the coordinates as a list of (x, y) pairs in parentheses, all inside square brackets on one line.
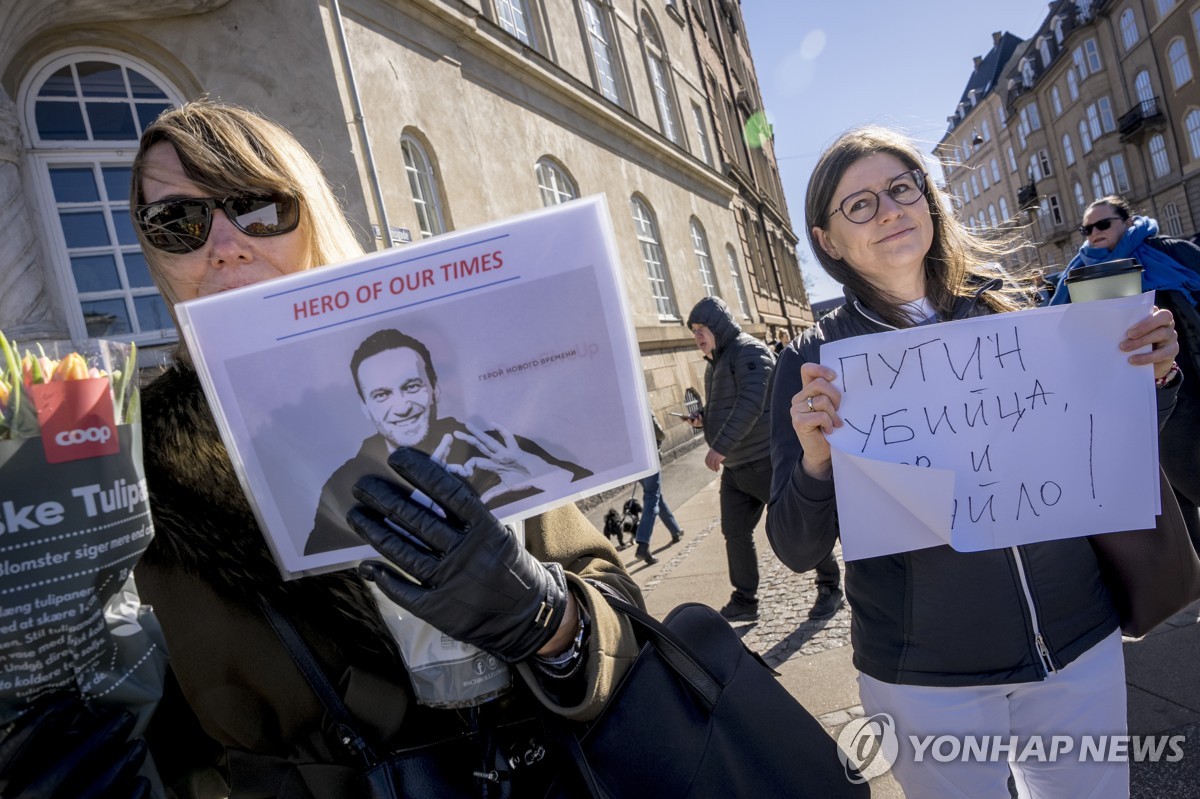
[(708, 278), (1044, 50), (660, 80), (514, 18), (1163, 7), (701, 135), (1080, 199), (554, 183), (1056, 101), (1106, 177), (1129, 29), (995, 171), (1093, 115), (423, 182), (1012, 160), (1120, 173), (1068, 150), (735, 277), (1085, 138), (600, 41), (1181, 67), (1158, 156), (1145, 92), (1073, 86), (1093, 56), (992, 215), (1003, 210), (85, 114), (1107, 121), (1171, 222), (1097, 190), (1191, 123), (652, 256), (1055, 210)]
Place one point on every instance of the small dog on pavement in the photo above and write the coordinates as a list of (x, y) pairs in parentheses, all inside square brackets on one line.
[(632, 517), (615, 530)]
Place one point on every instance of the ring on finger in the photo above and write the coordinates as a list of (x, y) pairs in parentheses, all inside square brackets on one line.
[(811, 409)]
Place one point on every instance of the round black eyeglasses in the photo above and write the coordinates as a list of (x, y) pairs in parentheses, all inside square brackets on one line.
[(862, 206)]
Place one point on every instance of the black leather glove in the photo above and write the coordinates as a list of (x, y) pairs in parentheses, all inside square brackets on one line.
[(477, 583), (59, 749)]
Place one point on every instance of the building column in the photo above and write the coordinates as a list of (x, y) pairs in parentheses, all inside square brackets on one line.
[(26, 310)]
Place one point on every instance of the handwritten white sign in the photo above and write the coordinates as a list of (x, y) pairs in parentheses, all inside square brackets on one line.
[(994, 431), (506, 351)]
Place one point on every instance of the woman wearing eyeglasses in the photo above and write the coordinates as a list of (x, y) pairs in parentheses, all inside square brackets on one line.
[(224, 198), (1003, 642), (1171, 269)]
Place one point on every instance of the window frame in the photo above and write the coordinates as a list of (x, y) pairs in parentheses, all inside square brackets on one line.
[(433, 182), (41, 156), (553, 195), (704, 261), (665, 304)]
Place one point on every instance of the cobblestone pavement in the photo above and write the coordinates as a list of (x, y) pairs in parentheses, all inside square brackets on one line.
[(783, 629)]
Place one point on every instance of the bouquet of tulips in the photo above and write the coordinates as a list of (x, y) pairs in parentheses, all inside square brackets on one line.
[(74, 520), (18, 373)]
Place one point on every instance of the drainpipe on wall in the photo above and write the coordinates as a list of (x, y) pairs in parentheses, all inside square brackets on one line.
[(361, 123)]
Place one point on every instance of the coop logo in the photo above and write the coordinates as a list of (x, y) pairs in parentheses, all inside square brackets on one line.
[(68, 438), (868, 747)]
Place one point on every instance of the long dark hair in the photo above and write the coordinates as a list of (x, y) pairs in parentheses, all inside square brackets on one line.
[(958, 261)]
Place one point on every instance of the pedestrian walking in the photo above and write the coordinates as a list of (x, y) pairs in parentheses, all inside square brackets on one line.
[(737, 429), (654, 506)]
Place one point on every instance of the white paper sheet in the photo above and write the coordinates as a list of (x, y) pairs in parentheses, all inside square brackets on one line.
[(989, 432)]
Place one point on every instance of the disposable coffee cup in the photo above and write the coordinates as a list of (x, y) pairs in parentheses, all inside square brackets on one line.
[(1105, 280)]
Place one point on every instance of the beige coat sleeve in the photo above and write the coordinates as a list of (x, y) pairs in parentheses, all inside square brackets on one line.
[(566, 536)]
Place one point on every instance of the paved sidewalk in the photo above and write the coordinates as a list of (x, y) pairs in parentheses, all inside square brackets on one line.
[(814, 658)]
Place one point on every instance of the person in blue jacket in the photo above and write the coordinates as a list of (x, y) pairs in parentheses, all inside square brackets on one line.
[(1171, 269)]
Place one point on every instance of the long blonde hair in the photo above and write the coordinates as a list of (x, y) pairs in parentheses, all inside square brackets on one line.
[(958, 261), (226, 149)]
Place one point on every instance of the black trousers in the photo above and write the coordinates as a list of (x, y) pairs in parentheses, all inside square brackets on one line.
[(1179, 453), (745, 490)]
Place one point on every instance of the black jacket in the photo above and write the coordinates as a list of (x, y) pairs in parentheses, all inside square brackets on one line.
[(737, 387), (934, 616), (1187, 318)]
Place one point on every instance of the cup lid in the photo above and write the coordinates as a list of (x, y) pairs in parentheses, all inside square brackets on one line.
[(1104, 269)]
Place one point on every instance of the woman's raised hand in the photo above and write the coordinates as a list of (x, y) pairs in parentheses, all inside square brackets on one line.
[(814, 415), (1157, 330)]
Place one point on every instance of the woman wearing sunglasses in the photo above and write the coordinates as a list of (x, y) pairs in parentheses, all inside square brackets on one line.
[(946, 642), (1171, 269), (224, 198)]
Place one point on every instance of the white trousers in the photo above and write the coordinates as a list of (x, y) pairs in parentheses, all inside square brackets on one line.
[(1087, 698)]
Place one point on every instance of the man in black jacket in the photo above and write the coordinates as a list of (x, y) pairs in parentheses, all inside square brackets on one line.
[(737, 383)]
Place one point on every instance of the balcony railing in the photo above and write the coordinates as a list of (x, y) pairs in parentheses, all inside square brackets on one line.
[(1139, 118)]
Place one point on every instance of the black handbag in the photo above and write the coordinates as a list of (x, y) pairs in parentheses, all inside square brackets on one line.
[(1152, 574), (699, 715)]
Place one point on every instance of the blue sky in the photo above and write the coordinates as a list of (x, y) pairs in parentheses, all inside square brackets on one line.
[(824, 67)]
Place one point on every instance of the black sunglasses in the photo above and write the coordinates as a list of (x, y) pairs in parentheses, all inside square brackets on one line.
[(1099, 224), (182, 226)]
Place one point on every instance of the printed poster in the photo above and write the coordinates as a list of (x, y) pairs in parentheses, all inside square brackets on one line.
[(505, 351)]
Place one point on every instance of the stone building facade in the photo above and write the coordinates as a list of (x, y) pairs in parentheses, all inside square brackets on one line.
[(428, 116), (1103, 98)]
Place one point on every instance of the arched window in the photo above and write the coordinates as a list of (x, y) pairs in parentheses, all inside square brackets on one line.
[(600, 45), (1072, 85), (1068, 150), (660, 79), (1043, 45), (985, 130), (1181, 67), (1080, 199), (84, 113), (1191, 124), (422, 180), (992, 215), (1056, 101), (995, 171), (1027, 72), (708, 277), (554, 182), (1158, 156), (1097, 189), (1085, 138), (1129, 29), (735, 277), (655, 260), (1003, 209)]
